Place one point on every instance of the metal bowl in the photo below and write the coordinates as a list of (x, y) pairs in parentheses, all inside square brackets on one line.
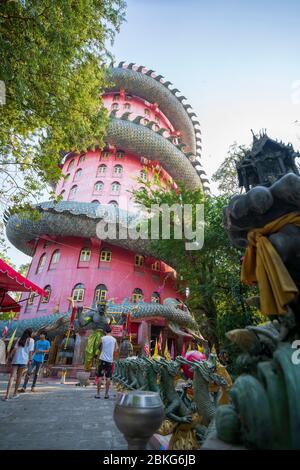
[(138, 415)]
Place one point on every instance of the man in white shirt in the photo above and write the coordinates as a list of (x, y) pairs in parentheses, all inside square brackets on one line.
[(108, 346)]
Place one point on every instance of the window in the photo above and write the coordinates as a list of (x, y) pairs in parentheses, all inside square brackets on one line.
[(139, 260), (137, 295), (120, 154), (157, 119), (127, 106), (146, 112), (98, 186), (54, 259), (146, 121), (155, 127), (78, 174), (105, 154), (31, 298), (71, 165), (100, 293), (156, 266), (113, 203), (128, 97), (105, 255), (115, 106), (66, 178), (78, 293), (118, 169), (85, 254), (73, 192), (175, 141), (41, 264), (155, 298), (81, 159), (115, 187), (95, 201), (116, 97), (45, 300), (143, 175), (102, 169), (62, 193)]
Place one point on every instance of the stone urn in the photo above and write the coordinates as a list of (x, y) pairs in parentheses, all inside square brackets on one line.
[(83, 378), (138, 415)]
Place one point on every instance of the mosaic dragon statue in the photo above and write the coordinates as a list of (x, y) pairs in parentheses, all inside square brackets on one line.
[(80, 219), (265, 410)]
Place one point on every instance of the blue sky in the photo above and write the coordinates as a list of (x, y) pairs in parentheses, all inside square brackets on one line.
[(236, 61)]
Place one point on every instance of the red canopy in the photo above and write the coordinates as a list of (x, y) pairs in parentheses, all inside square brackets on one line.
[(9, 304), (11, 280)]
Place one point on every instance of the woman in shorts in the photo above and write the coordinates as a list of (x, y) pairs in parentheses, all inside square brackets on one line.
[(21, 354)]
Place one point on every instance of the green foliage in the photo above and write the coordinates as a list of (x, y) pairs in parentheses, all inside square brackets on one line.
[(212, 274), (7, 316), (226, 175), (53, 61)]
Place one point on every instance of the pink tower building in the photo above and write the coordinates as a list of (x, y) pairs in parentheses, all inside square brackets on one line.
[(151, 132)]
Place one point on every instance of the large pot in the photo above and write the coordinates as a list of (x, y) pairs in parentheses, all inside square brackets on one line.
[(138, 415)]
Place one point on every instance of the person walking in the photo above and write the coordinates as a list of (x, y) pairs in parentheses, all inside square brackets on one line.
[(108, 346), (21, 354), (42, 347)]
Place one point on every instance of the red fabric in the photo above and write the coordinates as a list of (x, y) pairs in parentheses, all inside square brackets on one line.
[(72, 319), (9, 304), (11, 280)]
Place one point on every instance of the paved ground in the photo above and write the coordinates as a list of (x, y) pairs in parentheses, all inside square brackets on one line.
[(58, 417)]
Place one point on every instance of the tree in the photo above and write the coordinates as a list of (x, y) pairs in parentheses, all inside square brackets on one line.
[(212, 273), (226, 175), (53, 62)]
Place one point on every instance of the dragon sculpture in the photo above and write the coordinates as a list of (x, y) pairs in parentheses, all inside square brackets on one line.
[(264, 412)]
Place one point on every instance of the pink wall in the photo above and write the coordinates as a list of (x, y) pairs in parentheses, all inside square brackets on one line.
[(119, 276)]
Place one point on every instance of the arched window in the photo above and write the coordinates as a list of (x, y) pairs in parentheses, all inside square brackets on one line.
[(71, 164), (98, 186), (120, 154), (105, 154), (101, 169), (128, 97), (157, 119), (118, 169), (113, 203), (54, 259), (145, 121), (155, 127), (127, 106), (66, 178), (45, 300), (146, 112), (95, 201), (105, 255), (31, 298), (137, 295), (143, 175), (115, 187), (78, 293), (116, 97), (85, 254), (78, 174), (82, 158), (73, 192), (139, 260), (115, 106), (155, 298), (156, 266), (100, 293), (41, 264)]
